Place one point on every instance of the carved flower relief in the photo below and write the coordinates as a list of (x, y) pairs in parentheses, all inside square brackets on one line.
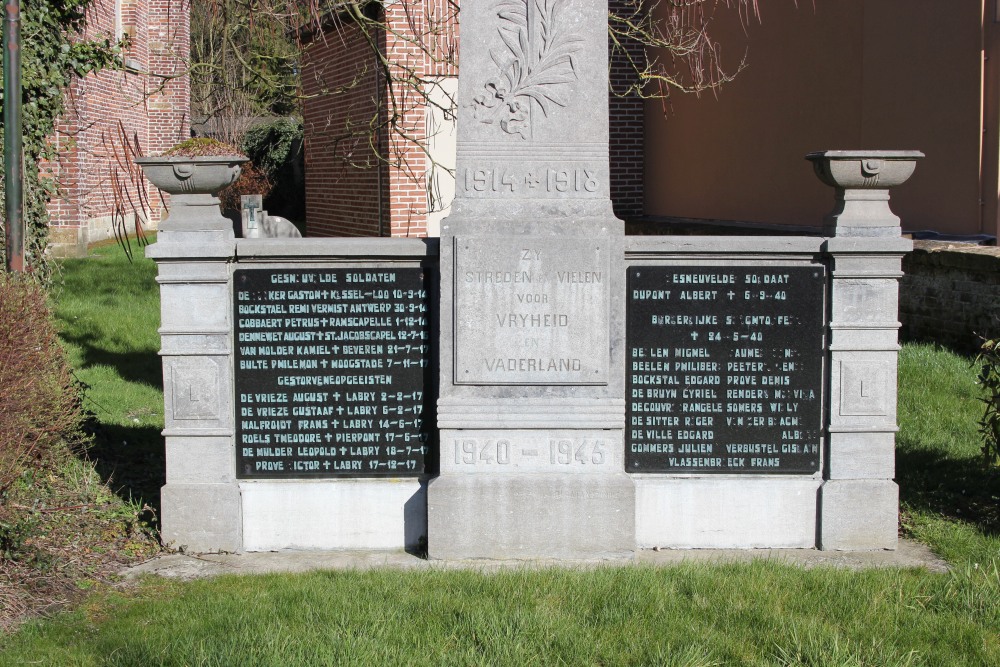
[(537, 62), (512, 112)]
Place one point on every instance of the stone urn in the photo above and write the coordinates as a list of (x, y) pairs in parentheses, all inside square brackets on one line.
[(861, 180), (194, 184)]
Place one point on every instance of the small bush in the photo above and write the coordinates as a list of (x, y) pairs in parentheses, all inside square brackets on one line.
[(275, 148), (989, 378), (272, 146), (40, 414), (14, 535)]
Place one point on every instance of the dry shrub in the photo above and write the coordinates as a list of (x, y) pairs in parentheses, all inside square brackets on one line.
[(252, 181), (989, 380), (61, 528), (40, 415), (202, 147)]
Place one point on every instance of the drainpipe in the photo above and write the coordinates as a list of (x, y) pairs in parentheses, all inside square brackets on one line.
[(380, 160), (13, 162)]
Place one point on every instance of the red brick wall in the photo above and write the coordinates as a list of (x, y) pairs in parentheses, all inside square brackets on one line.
[(407, 193), (108, 110), (948, 294), (345, 180), (421, 42), (169, 106), (626, 133), (346, 164)]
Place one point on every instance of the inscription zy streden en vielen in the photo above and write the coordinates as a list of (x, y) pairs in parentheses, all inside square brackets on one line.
[(531, 313), (724, 369), (330, 372)]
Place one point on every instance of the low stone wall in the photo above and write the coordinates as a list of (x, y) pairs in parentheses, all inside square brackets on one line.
[(950, 294)]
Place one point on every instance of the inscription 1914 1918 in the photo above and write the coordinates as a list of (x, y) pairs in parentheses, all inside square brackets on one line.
[(724, 369), (330, 372)]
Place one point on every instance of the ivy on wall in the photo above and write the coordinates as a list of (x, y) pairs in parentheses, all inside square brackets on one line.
[(53, 53)]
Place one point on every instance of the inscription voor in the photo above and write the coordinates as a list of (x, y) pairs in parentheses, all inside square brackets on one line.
[(725, 369), (330, 370), (531, 310)]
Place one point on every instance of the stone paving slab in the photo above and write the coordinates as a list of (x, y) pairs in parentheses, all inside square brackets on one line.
[(195, 566)]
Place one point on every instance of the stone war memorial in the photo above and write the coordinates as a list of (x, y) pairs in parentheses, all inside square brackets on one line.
[(533, 384)]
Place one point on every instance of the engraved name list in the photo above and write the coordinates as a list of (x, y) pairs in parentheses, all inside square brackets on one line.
[(330, 370), (724, 372)]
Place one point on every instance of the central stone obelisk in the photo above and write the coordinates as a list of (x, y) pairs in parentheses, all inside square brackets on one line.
[(532, 399)]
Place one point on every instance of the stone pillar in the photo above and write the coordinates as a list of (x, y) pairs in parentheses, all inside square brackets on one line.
[(532, 398), (859, 501), (200, 503)]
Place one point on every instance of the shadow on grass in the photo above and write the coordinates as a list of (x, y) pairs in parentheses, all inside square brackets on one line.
[(960, 489), (109, 309), (131, 460), (141, 366)]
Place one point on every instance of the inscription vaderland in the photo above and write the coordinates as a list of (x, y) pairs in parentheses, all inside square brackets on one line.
[(725, 369), (331, 372), (531, 310)]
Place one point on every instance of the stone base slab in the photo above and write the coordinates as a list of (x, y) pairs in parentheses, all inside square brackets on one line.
[(334, 514), (530, 516), (859, 515), (68, 241), (725, 512), (201, 518)]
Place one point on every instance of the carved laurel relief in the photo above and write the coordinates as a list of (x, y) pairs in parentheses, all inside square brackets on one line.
[(533, 69)]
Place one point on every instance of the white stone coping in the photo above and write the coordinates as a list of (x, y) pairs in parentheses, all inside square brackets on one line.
[(751, 246), (865, 155), (401, 247), (366, 247), (635, 247), (722, 245)]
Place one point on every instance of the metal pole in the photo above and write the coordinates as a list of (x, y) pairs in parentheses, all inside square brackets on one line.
[(13, 162)]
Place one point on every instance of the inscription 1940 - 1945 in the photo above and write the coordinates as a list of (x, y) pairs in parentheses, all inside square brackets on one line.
[(724, 370), (330, 370)]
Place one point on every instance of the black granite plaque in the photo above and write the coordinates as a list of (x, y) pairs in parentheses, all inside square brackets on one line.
[(724, 369), (331, 370)]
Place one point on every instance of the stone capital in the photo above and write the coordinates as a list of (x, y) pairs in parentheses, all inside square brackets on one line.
[(861, 181)]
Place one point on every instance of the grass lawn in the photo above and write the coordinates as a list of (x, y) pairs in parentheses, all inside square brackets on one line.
[(760, 613), (948, 499), (108, 312)]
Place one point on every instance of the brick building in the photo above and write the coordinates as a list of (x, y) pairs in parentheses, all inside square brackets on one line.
[(145, 106), (363, 179), (820, 75), (839, 74)]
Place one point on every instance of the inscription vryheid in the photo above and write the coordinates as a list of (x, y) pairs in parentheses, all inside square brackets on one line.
[(531, 310)]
